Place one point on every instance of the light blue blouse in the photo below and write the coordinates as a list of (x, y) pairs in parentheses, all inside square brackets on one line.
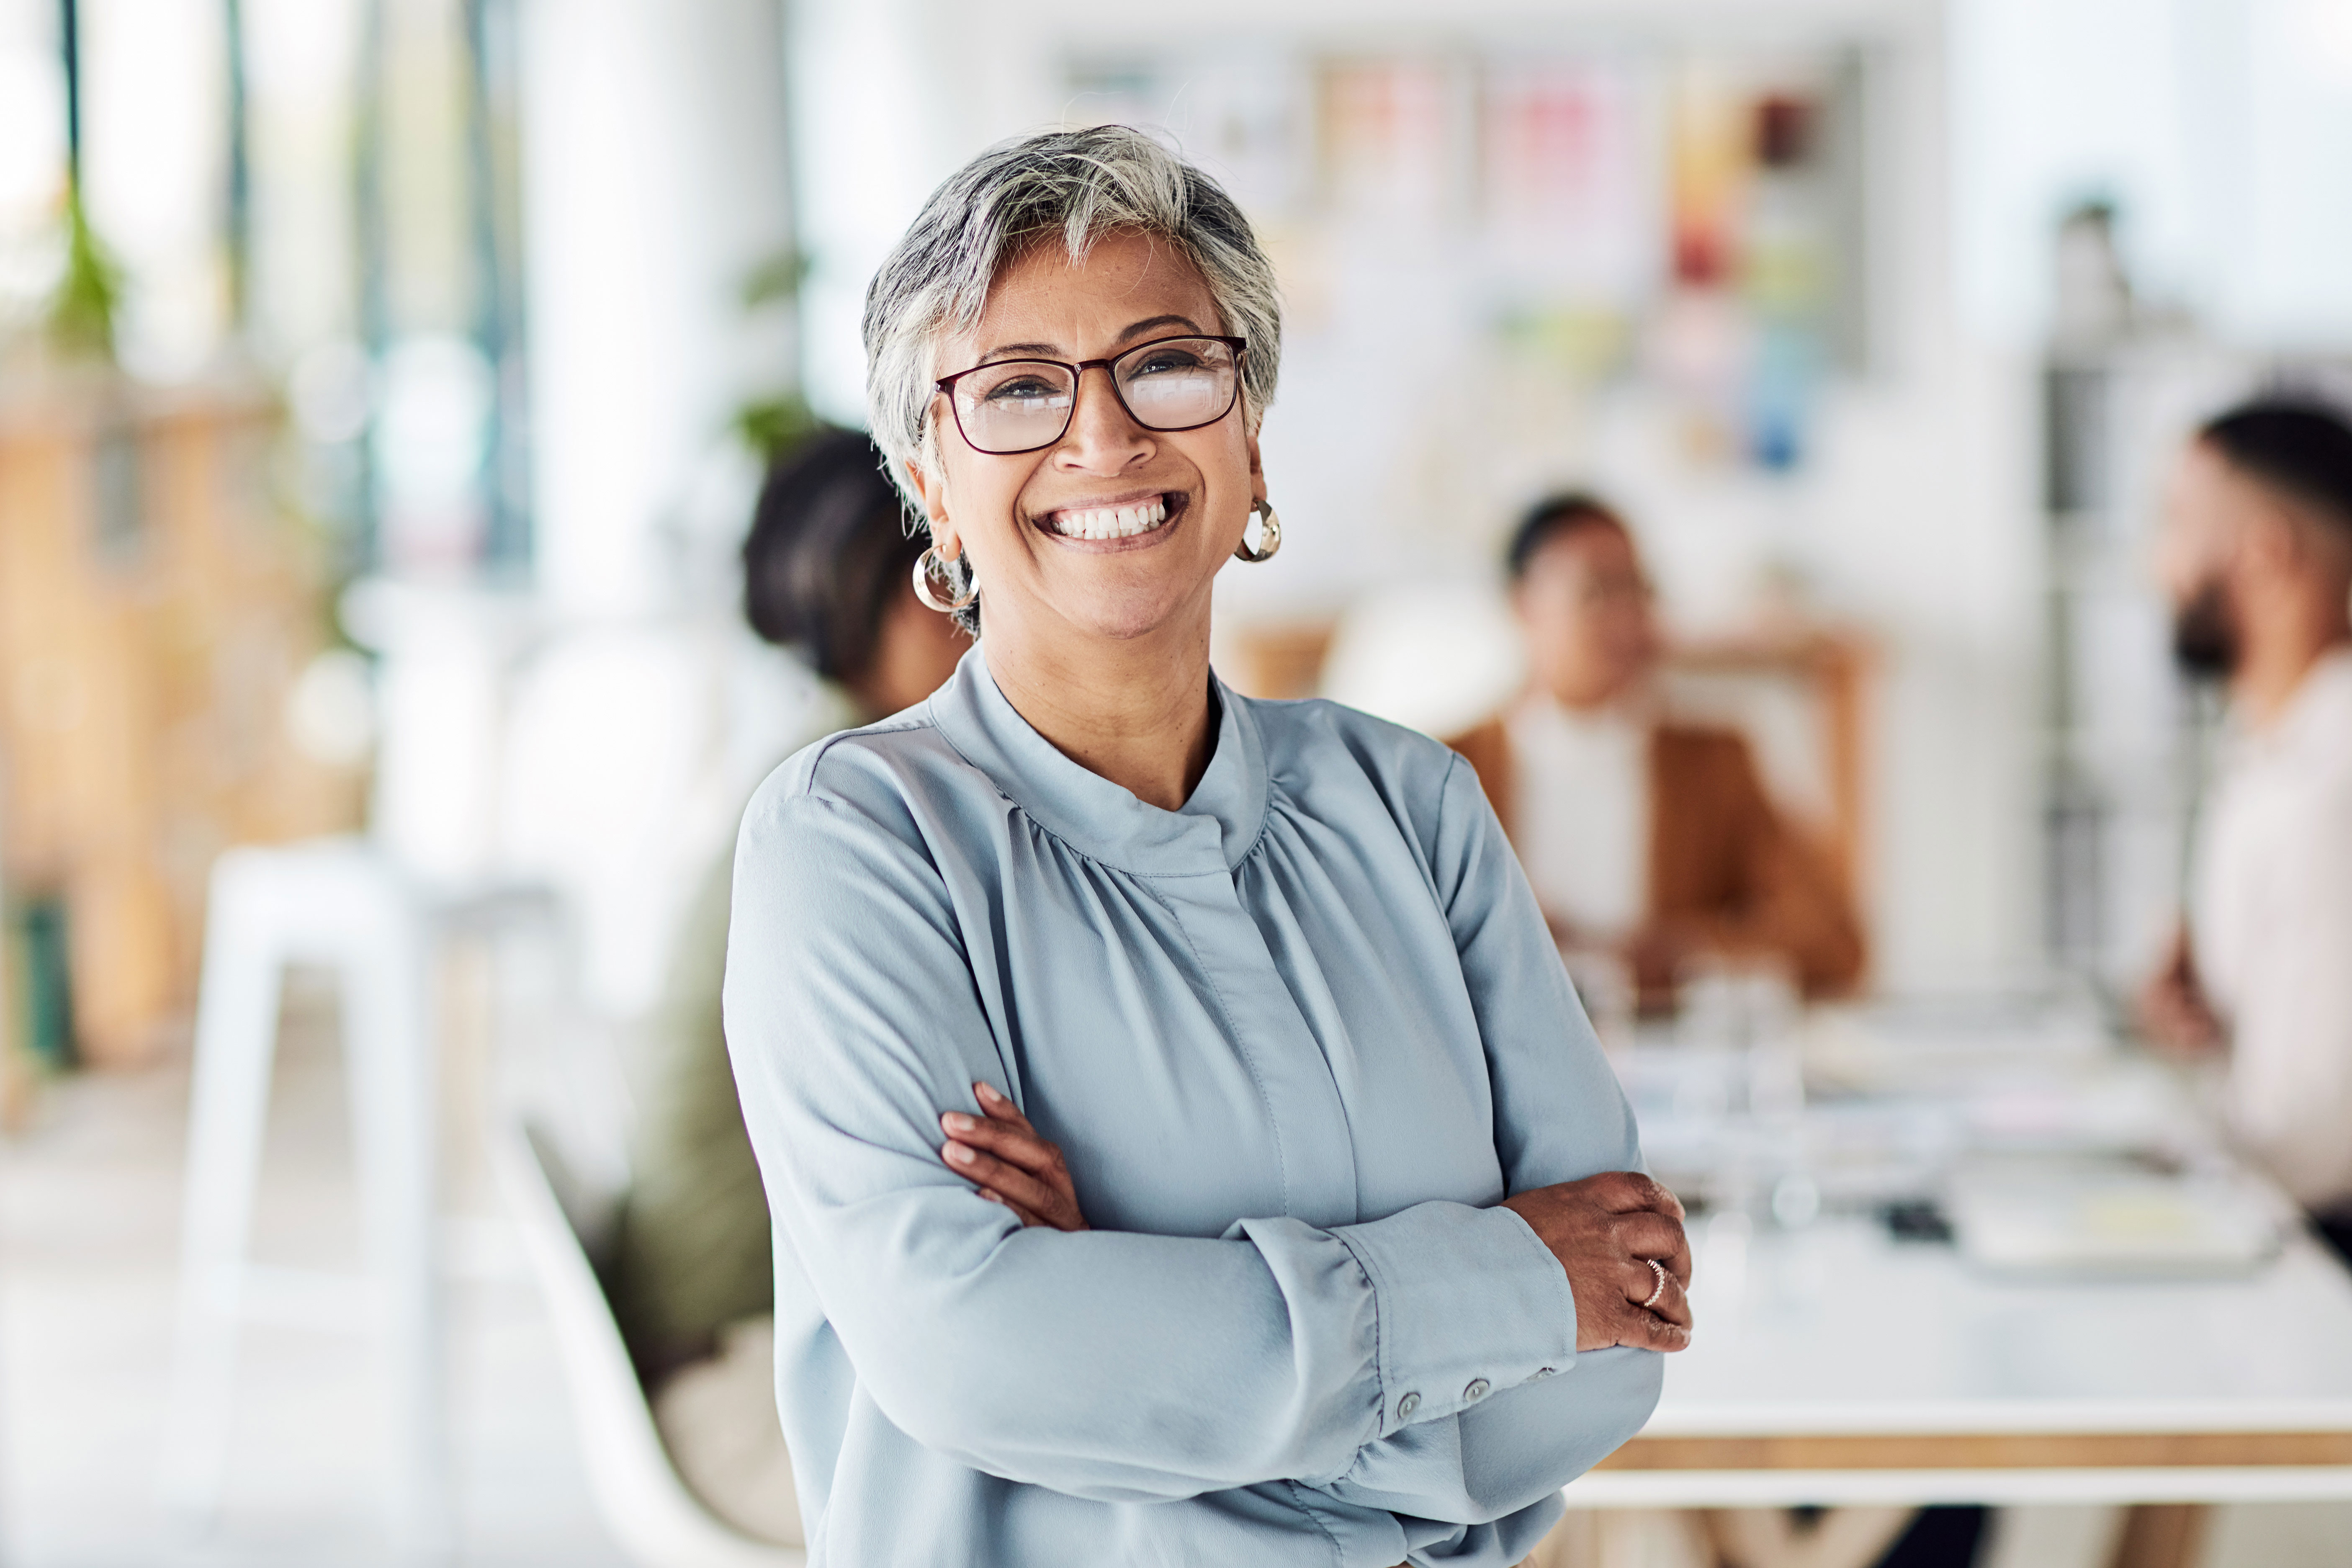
[(1295, 1039)]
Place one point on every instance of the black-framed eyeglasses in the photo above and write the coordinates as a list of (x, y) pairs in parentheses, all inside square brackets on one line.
[(1012, 405)]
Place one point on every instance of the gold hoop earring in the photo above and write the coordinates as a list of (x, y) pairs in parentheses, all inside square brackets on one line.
[(1269, 535), (930, 568)]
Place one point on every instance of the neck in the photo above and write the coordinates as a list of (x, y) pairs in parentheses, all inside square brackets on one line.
[(1134, 710), (2281, 646), (1586, 703)]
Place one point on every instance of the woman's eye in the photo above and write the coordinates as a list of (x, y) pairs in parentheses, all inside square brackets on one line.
[(1024, 389), (1166, 362)]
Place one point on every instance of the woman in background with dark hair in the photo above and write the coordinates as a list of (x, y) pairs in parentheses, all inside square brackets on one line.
[(827, 571)]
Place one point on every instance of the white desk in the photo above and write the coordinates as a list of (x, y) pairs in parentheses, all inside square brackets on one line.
[(1848, 1367), (1834, 1364)]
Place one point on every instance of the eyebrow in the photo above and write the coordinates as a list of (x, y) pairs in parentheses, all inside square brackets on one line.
[(1050, 350)]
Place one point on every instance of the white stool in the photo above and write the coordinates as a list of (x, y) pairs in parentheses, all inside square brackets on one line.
[(338, 903)]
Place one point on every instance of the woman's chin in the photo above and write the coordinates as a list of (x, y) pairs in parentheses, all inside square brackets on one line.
[(1123, 613)]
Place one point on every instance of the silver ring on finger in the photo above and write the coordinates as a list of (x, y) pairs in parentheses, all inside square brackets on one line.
[(1659, 1292)]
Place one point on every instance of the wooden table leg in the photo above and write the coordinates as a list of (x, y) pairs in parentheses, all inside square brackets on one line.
[(2161, 1535)]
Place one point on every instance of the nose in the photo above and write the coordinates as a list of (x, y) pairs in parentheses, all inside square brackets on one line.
[(1103, 438)]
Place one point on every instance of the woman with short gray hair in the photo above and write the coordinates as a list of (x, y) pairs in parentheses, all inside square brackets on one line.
[(1183, 1144)]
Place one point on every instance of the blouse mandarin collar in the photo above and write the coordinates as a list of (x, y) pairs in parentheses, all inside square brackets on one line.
[(1212, 831)]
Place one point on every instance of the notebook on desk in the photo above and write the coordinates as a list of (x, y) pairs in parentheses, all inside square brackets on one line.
[(2112, 1223)]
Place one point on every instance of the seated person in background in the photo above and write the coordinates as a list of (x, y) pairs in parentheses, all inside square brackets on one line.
[(1642, 836), (2256, 555), (827, 570), (1655, 840)]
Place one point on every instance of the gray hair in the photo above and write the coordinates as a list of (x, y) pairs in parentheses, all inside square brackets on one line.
[(1084, 184)]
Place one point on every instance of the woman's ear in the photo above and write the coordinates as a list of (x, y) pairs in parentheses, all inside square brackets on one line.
[(934, 492), (1256, 470)]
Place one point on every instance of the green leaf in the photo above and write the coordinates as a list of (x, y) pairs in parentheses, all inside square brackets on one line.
[(81, 313)]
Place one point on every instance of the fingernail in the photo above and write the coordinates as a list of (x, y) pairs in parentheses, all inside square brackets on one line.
[(988, 1093), (957, 1121), (958, 1155)]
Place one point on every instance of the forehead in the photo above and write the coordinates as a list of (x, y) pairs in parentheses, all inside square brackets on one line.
[(1044, 297), (1590, 546), (2206, 487)]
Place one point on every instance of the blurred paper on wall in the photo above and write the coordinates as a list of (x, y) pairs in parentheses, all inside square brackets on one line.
[(1565, 165), (1392, 138), (1246, 116), (1243, 113)]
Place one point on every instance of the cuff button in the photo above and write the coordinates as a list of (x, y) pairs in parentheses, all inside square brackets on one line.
[(1407, 1405), (1476, 1391)]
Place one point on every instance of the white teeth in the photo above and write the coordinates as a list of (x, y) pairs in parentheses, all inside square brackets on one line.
[(1111, 522)]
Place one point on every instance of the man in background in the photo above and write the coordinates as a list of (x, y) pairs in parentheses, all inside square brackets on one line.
[(2256, 556), (1643, 836)]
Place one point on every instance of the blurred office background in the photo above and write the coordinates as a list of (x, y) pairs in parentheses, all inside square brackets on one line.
[(386, 384)]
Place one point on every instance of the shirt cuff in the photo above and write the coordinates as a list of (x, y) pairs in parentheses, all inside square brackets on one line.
[(1467, 1301)]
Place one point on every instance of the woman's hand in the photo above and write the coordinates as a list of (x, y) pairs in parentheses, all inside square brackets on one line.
[(2173, 1013), (1604, 1229), (1004, 1157)]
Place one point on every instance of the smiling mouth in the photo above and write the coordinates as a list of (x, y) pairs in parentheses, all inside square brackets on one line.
[(1108, 522)]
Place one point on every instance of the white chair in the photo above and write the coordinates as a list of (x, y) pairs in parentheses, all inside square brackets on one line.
[(342, 904), (566, 1229), (335, 903)]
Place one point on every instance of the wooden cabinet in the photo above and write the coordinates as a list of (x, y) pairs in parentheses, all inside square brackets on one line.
[(157, 603)]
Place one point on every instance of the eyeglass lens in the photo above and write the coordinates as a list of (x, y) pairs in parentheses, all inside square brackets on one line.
[(1019, 406)]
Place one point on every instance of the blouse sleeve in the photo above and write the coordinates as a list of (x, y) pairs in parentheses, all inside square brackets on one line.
[(1560, 1116), (1107, 1365)]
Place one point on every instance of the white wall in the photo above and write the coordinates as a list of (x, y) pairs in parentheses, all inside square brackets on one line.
[(872, 131), (154, 152), (2222, 128), (654, 182)]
